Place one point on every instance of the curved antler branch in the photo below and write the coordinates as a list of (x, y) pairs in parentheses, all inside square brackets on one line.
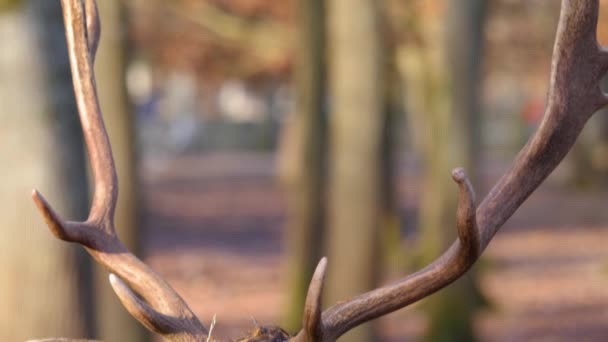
[(578, 65), (162, 309)]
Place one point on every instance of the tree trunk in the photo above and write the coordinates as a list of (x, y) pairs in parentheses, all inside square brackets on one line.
[(393, 251), (356, 72), (44, 292), (305, 179), (114, 322), (464, 42)]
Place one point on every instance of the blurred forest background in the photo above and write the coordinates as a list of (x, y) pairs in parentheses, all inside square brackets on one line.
[(253, 137)]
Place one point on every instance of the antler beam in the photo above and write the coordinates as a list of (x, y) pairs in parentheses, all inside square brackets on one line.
[(162, 310), (578, 65)]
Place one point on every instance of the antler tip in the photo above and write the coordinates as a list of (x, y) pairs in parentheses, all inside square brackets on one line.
[(43, 205), (459, 175), (65, 231), (129, 299), (319, 274), (322, 263), (38, 198), (114, 280)]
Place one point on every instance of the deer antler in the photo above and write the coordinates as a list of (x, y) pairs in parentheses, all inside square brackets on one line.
[(574, 95), (162, 310)]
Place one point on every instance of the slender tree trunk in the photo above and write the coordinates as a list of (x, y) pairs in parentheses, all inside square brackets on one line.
[(464, 42), (44, 292), (356, 75), (306, 183), (114, 322), (392, 247)]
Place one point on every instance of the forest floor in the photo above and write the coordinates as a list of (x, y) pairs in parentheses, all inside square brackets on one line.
[(214, 229)]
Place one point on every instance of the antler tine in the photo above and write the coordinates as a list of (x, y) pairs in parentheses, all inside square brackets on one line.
[(82, 46), (163, 311), (466, 217), (578, 65), (311, 321)]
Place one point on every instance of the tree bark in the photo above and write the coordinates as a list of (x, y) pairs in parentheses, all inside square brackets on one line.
[(356, 77), (464, 43), (45, 290), (393, 251), (305, 180)]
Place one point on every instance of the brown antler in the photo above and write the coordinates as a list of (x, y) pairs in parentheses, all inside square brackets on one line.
[(574, 95), (163, 310)]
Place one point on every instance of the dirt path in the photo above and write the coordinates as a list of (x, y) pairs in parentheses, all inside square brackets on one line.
[(214, 231)]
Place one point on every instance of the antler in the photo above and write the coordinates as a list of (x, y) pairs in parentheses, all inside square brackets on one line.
[(162, 310), (574, 95)]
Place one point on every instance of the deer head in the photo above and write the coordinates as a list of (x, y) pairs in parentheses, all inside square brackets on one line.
[(574, 95)]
